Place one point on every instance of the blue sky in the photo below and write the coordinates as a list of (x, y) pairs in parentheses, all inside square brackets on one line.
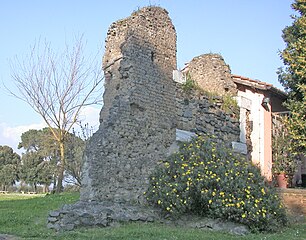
[(247, 33)]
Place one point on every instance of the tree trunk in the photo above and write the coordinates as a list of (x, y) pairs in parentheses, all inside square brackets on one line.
[(61, 169), (45, 188)]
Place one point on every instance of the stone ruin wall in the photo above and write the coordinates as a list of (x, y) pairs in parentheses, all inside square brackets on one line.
[(142, 109), (212, 74), (203, 115), (137, 121), (200, 110)]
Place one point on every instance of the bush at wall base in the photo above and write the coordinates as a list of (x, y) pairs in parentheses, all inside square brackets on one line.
[(205, 178)]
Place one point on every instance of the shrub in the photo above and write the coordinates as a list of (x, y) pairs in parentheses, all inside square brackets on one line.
[(207, 179), (189, 84)]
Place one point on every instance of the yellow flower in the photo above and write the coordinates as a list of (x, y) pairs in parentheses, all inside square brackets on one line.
[(210, 201), (213, 193), (168, 209), (243, 215), (159, 202), (263, 191)]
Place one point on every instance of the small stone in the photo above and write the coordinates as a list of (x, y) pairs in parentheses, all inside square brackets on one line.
[(54, 213), (52, 219), (68, 227), (55, 226), (240, 230)]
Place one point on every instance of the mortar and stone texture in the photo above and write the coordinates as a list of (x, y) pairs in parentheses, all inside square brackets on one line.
[(143, 107), (204, 115), (212, 74)]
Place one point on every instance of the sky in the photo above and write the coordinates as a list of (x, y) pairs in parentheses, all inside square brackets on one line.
[(247, 33)]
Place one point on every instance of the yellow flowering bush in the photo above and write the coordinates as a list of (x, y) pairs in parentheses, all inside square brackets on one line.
[(207, 179)]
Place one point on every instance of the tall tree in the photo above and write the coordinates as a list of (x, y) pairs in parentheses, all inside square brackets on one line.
[(40, 161), (35, 170), (9, 167), (293, 76), (57, 87), (41, 157)]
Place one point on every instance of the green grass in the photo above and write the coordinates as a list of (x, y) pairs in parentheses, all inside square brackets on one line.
[(25, 216)]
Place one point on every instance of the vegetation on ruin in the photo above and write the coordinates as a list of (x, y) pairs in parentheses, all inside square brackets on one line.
[(205, 178), (228, 102), (25, 216)]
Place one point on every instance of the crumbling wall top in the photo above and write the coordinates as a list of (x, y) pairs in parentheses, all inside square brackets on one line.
[(212, 74)]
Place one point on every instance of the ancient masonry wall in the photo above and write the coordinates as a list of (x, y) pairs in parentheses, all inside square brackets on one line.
[(212, 74), (204, 115), (142, 109), (137, 121)]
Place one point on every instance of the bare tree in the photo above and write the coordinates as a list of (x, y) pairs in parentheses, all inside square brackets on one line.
[(57, 87)]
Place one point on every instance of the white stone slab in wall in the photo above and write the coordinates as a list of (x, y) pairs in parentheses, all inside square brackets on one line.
[(244, 102), (240, 147), (178, 76), (184, 136)]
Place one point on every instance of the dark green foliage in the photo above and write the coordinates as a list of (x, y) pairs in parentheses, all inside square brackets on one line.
[(39, 163), (9, 167), (74, 149), (39, 160), (293, 76), (206, 178), (294, 55)]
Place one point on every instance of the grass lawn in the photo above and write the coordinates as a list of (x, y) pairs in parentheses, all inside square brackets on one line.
[(25, 216)]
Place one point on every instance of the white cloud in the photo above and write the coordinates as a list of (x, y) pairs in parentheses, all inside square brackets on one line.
[(91, 116), (11, 136)]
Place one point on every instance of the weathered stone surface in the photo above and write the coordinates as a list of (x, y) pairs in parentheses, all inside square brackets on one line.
[(240, 147), (184, 136), (196, 113), (54, 213), (137, 121), (102, 214), (212, 74)]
